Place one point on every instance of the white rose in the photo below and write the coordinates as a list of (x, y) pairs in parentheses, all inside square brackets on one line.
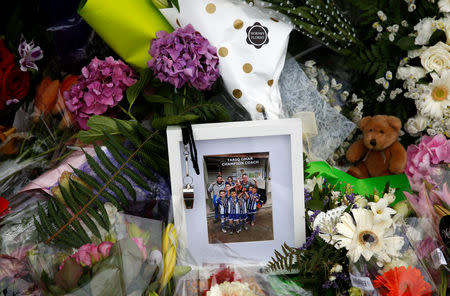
[(436, 58), (424, 31), (409, 72), (444, 5)]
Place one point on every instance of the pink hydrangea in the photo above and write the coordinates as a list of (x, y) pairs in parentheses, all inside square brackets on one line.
[(100, 87), (184, 56), (421, 158)]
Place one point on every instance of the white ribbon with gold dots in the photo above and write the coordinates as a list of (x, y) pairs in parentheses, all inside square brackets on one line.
[(251, 45)]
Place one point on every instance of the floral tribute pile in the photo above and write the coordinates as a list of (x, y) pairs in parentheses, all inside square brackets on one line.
[(85, 206)]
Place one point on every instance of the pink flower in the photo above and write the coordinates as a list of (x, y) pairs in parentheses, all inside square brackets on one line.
[(89, 254), (421, 203), (83, 255), (140, 244), (104, 248), (99, 87), (425, 247), (421, 158), (11, 267)]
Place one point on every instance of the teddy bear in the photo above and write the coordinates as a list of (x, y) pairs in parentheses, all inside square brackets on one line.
[(379, 152)]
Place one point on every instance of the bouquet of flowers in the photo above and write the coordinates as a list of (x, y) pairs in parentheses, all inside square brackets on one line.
[(428, 173), (358, 240), (224, 280)]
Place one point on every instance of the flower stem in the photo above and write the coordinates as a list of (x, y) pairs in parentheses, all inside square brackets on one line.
[(127, 113), (443, 287)]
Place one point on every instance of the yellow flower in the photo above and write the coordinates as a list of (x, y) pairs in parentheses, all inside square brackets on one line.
[(169, 250)]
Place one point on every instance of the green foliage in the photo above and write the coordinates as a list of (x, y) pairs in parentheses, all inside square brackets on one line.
[(134, 90), (312, 266), (132, 164), (318, 19), (99, 125), (375, 60), (407, 43)]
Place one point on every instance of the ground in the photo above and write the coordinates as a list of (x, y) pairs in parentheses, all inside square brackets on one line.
[(262, 230)]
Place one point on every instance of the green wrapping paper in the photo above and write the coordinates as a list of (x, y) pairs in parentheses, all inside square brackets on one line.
[(127, 26), (360, 186)]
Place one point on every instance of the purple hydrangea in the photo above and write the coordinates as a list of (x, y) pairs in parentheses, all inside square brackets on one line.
[(99, 87), (184, 56)]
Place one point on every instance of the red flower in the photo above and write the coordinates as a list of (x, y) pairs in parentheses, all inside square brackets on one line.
[(223, 275), (402, 282), (14, 84), (4, 206), (6, 57)]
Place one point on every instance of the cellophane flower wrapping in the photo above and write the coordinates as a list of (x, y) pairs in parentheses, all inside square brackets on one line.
[(17, 237), (223, 279), (408, 270), (428, 172), (127, 262), (298, 95)]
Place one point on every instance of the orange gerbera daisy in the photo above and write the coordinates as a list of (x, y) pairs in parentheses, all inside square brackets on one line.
[(401, 281)]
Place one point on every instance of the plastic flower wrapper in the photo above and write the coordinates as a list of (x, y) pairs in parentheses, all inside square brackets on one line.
[(429, 248), (404, 272), (127, 27), (251, 44), (223, 279), (127, 263), (153, 203), (300, 95), (17, 239)]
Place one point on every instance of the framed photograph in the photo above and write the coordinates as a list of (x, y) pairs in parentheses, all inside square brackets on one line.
[(248, 197)]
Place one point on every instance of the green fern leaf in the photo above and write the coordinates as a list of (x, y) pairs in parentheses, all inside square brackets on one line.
[(70, 201), (84, 195), (111, 168)]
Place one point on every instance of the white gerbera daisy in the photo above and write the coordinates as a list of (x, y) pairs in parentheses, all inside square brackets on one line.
[(436, 99), (381, 210), (367, 238), (231, 289), (444, 5)]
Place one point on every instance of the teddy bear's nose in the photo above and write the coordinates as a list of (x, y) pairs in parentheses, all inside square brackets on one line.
[(373, 142)]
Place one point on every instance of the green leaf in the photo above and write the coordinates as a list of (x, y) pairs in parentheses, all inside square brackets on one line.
[(407, 43), (157, 99), (175, 3), (99, 125), (163, 122), (315, 205), (437, 36), (133, 91)]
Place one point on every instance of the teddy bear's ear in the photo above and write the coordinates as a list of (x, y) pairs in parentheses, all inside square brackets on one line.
[(394, 122), (364, 122)]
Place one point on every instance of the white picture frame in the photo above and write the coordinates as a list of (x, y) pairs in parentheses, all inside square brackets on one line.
[(274, 136)]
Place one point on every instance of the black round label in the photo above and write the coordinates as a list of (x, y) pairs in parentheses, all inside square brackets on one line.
[(257, 35)]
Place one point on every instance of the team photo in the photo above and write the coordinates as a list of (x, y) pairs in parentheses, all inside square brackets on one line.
[(239, 201)]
